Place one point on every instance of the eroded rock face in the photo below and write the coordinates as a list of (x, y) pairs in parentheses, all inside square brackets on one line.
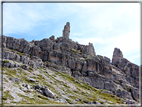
[(89, 50), (131, 70), (75, 59)]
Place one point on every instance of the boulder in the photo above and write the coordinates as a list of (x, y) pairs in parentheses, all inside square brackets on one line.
[(48, 93), (14, 79), (32, 80), (37, 87)]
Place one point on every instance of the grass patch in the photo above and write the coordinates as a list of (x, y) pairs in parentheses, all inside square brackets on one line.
[(69, 101), (42, 97), (9, 72), (7, 96), (5, 80), (6, 61), (36, 99)]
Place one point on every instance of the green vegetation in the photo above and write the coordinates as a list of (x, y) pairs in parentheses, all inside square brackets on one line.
[(95, 93), (69, 101), (83, 92), (9, 72), (6, 61), (7, 96), (36, 99), (5, 80)]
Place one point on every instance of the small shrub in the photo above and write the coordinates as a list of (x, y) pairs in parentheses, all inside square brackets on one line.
[(6, 61)]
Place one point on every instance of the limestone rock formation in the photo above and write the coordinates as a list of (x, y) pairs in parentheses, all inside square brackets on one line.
[(89, 50), (66, 31), (121, 78), (117, 56)]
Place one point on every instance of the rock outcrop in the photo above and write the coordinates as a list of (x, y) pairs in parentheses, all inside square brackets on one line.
[(66, 31), (117, 56), (120, 78)]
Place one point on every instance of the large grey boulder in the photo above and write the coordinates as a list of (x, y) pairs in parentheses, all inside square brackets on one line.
[(48, 93)]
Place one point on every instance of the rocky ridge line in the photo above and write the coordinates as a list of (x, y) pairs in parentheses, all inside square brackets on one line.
[(120, 78)]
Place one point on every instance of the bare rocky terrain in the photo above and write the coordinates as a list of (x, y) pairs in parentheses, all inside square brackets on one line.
[(61, 71)]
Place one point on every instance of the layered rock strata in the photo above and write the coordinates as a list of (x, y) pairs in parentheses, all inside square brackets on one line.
[(120, 78)]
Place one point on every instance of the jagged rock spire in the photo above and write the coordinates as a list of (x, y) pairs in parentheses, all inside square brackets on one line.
[(66, 30), (117, 55)]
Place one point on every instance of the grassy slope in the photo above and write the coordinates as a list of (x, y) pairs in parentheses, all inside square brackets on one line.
[(72, 88)]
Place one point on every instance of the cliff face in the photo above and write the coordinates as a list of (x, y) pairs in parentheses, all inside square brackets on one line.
[(121, 78)]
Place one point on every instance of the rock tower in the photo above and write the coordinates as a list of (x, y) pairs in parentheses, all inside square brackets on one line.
[(117, 56), (66, 30)]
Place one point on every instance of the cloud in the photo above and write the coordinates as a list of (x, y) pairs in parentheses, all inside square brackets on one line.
[(106, 25)]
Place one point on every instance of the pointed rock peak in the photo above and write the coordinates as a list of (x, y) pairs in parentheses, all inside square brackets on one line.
[(117, 55), (66, 31)]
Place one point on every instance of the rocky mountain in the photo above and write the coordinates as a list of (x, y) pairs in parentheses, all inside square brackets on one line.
[(61, 71)]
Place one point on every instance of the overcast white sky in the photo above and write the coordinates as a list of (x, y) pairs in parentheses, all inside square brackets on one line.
[(106, 25)]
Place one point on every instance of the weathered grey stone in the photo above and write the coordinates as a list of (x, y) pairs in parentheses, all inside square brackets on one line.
[(37, 87), (38, 62), (66, 30), (8, 55), (129, 102), (111, 86), (89, 50), (123, 94), (76, 73), (97, 103), (4, 41), (107, 60), (24, 59), (17, 57), (117, 55), (57, 47), (48, 93), (32, 80), (79, 61), (24, 66), (14, 79), (91, 65), (10, 63), (32, 64), (52, 38), (135, 93), (78, 65)]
